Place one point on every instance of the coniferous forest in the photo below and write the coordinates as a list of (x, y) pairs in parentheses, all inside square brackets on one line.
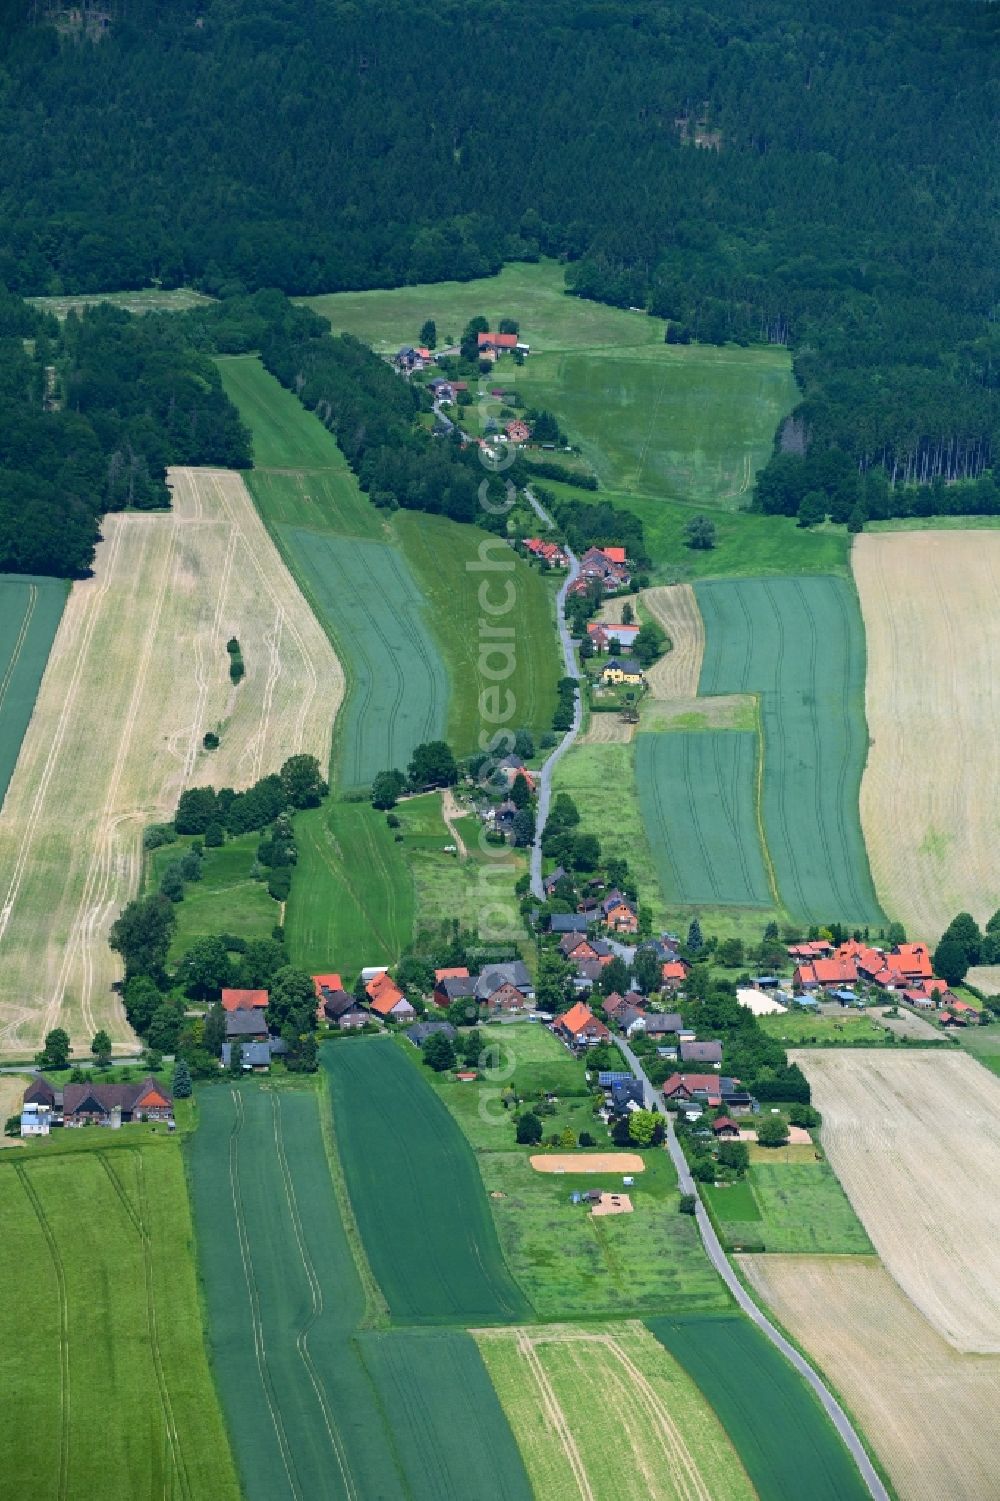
[(821, 173)]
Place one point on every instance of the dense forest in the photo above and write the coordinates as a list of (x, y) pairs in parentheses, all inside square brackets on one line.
[(821, 173), (91, 414)]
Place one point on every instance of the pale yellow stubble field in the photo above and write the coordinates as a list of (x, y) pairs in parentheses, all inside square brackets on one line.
[(138, 672)]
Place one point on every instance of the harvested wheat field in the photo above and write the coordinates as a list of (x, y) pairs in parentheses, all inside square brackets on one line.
[(915, 1141), (12, 1087), (927, 1410), (931, 822), (607, 729), (661, 1441), (138, 672), (589, 1162), (675, 608)]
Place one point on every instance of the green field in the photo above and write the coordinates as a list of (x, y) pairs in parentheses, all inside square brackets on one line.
[(746, 545), (100, 1316), (365, 596), (788, 1445), (789, 1207), (799, 644), (285, 435), (734, 1201), (800, 1028), (145, 300), (351, 902), (313, 1410), (456, 1442), (419, 1204), (30, 611), (691, 422), (225, 900), (534, 294), (697, 796)]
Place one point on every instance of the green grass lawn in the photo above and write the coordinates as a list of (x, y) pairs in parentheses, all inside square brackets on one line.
[(787, 1443), (351, 902), (691, 422), (800, 644), (285, 434), (803, 1208), (733, 1201), (533, 294), (30, 611), (443, 556), (226, 899), (415, 1192), (799, 1029), (100, 1315)]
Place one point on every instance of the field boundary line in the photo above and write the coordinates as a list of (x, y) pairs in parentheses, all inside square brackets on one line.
[(246, 1261), (22, 635), (316, 1299), (554, 1413), (376, 1307), (21, 1170), (758, 801)]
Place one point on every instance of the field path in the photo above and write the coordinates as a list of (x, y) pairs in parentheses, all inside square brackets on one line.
[(449, 812), (933, 704), (137, 673)]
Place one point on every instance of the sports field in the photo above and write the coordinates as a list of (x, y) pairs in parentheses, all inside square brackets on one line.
[(928, 1411), (30, 610), (137, 674), (799, 1207), (657, 1439), (799, 644), (692, 422), (933, 702), (697, 797), (416, 1194), (787, 1444), (914, 1139), (100, 1315), (351, 902)]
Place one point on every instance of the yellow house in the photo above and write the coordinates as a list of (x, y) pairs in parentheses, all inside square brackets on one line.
[(622, 672)]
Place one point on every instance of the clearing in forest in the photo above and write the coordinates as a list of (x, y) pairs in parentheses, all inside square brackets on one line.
[(928, 1411), (659, 1439), (915, 1140), (933, 702), (137, 674), (100, 1315), (30, 609)]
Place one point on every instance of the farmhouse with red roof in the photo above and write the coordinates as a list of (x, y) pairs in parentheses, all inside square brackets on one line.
[(246, 1000), (580, 1027)]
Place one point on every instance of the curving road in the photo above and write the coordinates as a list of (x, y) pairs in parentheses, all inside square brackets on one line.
[(572, 671), (718, 1258)]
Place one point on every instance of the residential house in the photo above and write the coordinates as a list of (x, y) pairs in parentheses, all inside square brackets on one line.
[(725, 1127), (116, 1104), (248, 1000), (492, 345), (342, 1009), (387, 1000), (619, 673), (603, 633), (551, 881), (568, 922), (608, 566), (517, 431), (702, 1052), (506, 1000), (246, 1026), (613, 1004), (619, 914), (819, 948), (709, 1089), (577, 947), (627, 1095), (549, 553), (454, 988), (40, 1106), (512, 767), (673, 973), (580, 1028), (631, 1019), (514, 972), (663, 1024), (255, 1057), (823, 973), (420, 1031)]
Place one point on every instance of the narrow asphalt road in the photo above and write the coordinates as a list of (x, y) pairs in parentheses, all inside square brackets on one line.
[(572, 671), (718, 1258)]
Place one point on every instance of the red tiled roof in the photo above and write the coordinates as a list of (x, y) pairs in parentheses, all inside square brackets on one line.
[(326, 982), (386, 998), (458, 973), (827, 972), (724, 1124), (579, 1018), (615, 554), (674, 969), (498, 341), (243, 1000)]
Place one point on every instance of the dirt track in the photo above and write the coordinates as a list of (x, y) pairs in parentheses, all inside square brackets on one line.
[(929, 1411), (589, 1162), (915, 1140), (138, 672), (930, 817)]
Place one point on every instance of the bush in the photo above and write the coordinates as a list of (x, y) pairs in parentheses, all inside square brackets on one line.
[(687, 1204), (279, 883), (586, 1140), (158, 834), (529, 1129), (210, 740)]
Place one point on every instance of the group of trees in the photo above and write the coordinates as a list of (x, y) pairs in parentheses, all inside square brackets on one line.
[(563, 842), (91, 414), (963, 944), (432, 764), (202, 810), (598, 523)]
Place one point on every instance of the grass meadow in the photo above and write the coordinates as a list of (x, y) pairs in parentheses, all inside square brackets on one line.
[(101, 1315), (226, 899), (785, 1207), (30, 611), (697, 797), (145, 300), (799, 644), (788, 1446), (285, 434), (415, 1192), (664, 1443), (801, 1029)]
